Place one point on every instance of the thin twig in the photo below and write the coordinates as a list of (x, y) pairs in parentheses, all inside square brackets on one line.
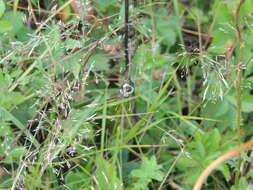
[(196, 33), (220, 160)]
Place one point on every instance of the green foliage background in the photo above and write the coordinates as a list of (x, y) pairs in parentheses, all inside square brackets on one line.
[(64, 124)]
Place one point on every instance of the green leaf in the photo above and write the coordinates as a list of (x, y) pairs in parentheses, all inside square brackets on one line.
[(224, 34), (17, 153), (107, 176), (215, 139), (166, 30), (76, 180), (7, 116), (106, 2), (200, 150), (9, 99), (2, 8), (148, 170), (247, 8), (76, 68), (225, 171), (3, 82), (243, 183), (5, 26), (247, 103), (98, 63), (16, 21), (53, 40), (72, 44), (104, 5), (215, 110), (76, 120), (222, 12), (223, 38), (4, 130), (160, 61)]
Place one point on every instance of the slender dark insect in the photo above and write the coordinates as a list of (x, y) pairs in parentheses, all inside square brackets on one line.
[(127, 88), (127, 58)]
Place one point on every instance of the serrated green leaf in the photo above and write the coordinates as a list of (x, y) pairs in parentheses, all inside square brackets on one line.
[(213, 142), (148, 170)]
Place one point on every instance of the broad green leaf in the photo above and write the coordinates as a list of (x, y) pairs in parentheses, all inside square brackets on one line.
[(160, 61), (166, 29), (167, 32), (247, 103), (223, 38), (5, 26), (16, 21), (215, 109), (98, 63)]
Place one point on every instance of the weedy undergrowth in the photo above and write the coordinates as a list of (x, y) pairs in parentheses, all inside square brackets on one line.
[(64, 123)]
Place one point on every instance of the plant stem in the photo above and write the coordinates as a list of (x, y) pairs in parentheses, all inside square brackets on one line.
[(239, 73), (179, 26), (238, 85)]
